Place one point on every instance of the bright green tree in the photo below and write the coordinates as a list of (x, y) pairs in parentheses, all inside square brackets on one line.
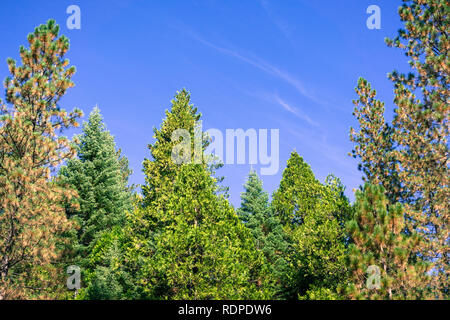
[(186, 240), (100, 176), (314, 215), (256, 213), (298, 193), (383, 259)]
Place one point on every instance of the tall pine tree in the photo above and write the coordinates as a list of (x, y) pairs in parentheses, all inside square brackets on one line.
[(32, 219), (374, 143), (410, 156), (421, 128)]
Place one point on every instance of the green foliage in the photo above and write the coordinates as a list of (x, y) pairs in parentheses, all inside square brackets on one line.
[(181, 239), (99, 175), (409, 157), (299, 192), (187, 241), (316, 215), (378, 240), (255, 212), (109, 278), (320, 293), (374, 143)]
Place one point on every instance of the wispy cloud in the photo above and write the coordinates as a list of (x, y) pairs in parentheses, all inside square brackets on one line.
[(318, 141), (261, 65), (295, 111), (256, 62), (280, 24)]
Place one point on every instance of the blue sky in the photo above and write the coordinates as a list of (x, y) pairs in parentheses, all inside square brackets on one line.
[(290, 65)]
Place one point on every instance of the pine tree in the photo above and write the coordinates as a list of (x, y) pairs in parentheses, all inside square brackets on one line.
[(255, 212), (32, 219), (421, 125), (186, 240), (100, 176), (381, 249), (411, 158), (374, 143), (314, 216)]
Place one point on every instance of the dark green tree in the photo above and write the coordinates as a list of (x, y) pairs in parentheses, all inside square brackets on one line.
[(109, 279), (256, 213), (100, 176)]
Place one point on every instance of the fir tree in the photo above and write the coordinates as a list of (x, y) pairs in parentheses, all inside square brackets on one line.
[(255, 212), (110, 279), (32, 219), (100, 176), (186, 240), (378, 242)]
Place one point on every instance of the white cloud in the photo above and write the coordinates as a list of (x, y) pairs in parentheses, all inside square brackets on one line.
[(295, 111)]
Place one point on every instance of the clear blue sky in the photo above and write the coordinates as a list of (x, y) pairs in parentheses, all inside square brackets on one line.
[(290, 64)]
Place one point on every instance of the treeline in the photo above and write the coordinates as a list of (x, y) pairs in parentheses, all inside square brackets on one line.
[(68, 202)]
